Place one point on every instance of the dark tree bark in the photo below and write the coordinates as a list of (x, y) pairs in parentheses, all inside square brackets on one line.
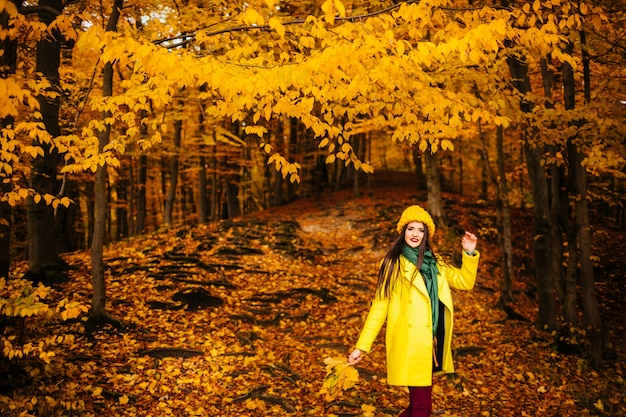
[(140, 196), (419, 170), (278, 197), (544, 230), (174, 167), (294, 140), (43, 255), (8, 64), (358, 144), (559, 215), (203, 202), (503, 212), (122, 185), (98, 302), (214, 199), (575, 157), (65, 223), (433, 187), (231, 180)]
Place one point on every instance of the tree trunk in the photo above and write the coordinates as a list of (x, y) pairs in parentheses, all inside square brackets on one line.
[(433, 187), (542, 248), (98, 303), (419, 170), (121, 208), (171, 193), (214, 200), (581, 214), (140, 196), (5, 230), (294, 139), (543, 229), (558, 215), (64, 222), (359, 143), (140, 220), (203, 203), (503, 212), (8, 64), (320, 174), (232, 197), (43, 255), (504, 223)]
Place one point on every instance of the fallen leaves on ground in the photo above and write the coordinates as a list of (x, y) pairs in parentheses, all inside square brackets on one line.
[(234, 318)]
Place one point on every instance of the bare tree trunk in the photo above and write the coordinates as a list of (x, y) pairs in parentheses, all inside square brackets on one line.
[(43, 255), (544, 231), (203, 204), (140, 220), (581, 214), (294, 139), (419, 170), (131, 196), (433, 187), (359, 146), (542, 248), (232, 181), (122, 186), (503, 212), (277, 193), (171, 193), (214, 201), (5, 229), (98, 303), (504, 223), (140, 194)]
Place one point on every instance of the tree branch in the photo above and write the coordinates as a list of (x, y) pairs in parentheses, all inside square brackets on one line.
[(186, 37), (39, 9)]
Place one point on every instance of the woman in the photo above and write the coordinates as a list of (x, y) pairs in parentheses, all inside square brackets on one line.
[(413, 295)]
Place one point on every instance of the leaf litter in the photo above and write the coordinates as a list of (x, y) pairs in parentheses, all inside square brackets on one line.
[(277, 299)]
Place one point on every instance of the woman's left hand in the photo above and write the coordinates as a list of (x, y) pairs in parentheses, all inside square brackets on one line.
[(469, 241)]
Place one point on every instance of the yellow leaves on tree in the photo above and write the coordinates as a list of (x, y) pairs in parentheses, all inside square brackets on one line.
[(331, 8), (19, 298), (8, 6), (340, 376)]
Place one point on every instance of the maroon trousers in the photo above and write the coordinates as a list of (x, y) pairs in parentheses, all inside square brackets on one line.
[(421, 402)]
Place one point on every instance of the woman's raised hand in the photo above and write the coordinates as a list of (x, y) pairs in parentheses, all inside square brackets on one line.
[(469, 241)]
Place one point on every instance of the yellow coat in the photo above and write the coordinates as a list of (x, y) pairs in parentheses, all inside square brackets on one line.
[(409, 334)]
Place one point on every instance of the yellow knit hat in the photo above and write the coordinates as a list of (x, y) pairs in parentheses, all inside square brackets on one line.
[(416, 214)]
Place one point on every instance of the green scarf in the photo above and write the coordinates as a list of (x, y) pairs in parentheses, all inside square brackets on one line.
[(429, 271)]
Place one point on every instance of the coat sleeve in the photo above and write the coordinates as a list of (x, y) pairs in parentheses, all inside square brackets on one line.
[(464, 278), (373, 323)]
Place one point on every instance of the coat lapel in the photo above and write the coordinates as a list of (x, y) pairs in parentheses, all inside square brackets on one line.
[(408, 270)]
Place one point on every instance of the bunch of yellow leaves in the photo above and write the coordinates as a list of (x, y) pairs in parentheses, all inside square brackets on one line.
[(340, 376)]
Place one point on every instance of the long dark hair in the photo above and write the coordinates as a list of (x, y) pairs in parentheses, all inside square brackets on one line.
[(388, 272)]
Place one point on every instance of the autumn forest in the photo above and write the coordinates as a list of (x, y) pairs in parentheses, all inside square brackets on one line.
[(195, 196)]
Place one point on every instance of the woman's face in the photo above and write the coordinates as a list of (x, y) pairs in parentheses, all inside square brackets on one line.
[(414, 234)]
